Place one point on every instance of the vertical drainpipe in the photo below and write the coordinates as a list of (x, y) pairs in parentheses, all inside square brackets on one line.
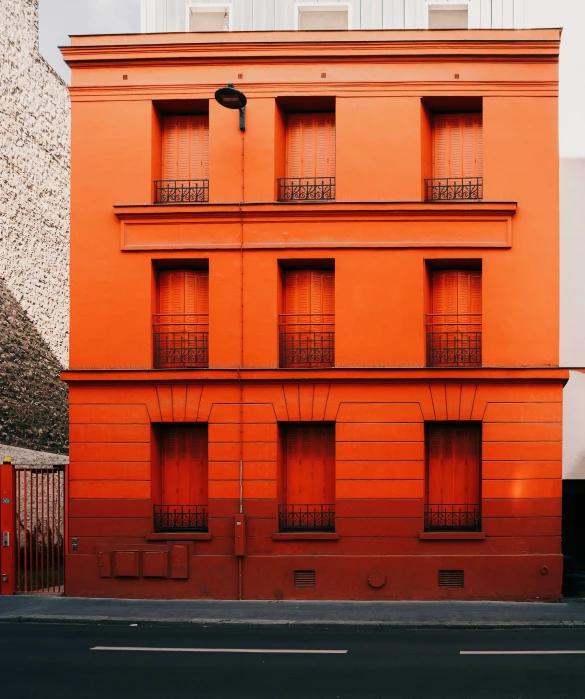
[(241, 493)]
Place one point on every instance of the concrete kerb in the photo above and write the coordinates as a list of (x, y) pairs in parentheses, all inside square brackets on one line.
[(202, 623)]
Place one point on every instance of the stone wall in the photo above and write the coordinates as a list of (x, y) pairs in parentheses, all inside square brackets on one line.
[(34, 236)]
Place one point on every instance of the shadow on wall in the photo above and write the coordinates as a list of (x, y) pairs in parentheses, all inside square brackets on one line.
[(33, 400)]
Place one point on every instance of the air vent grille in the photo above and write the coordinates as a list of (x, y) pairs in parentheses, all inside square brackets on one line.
[(451, 578), (305, 578)]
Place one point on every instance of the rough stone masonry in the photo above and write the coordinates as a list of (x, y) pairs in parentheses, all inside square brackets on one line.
[(34, 236)]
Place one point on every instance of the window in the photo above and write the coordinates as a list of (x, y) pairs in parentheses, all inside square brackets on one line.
[(185, 160), (457, 157), (310, 157), (307, 323), (453, 477), (184, 480), (309, 478), (209, 18), (323, 16), (454, 325), (181, 323), (448, 16)]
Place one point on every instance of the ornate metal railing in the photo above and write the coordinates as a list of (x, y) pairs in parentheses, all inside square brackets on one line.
[(454, 340), (180, 340), (306, 188), (296, 518), (452, 518), (307, 340), (454, 188), (181, 191), (172, 518)]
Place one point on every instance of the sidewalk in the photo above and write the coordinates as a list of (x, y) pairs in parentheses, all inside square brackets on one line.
[(430, 615)]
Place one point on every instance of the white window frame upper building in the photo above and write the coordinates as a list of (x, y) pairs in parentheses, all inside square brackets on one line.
[(323, 7), (446, 5), (224, 7)]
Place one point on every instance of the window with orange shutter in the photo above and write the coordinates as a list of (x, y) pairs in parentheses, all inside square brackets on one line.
[(307, 324), (454, 325), (457, 157), (453, 477), (184, 480), (181, 324), (310, 157), (185, 160), (309, 477)]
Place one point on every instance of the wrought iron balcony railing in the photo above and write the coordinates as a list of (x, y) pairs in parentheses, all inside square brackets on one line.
[(307, 340), (452, 518), (441, 188), (182, 518), (300, 518), (181, 340), (306, 188), (181, 191), (454, 340)]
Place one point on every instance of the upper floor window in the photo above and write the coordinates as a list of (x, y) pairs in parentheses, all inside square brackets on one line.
[(181, 322), (310, 157), (454, 325), (185, 160), (307, 323), (308, 478), (453, 477), (457, 157), (323, 16), (448, 15), (184, 478), (209, 18)]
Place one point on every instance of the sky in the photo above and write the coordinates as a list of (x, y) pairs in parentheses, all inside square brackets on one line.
[(60, 18)]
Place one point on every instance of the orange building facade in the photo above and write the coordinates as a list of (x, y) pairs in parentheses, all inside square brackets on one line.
[(316, 358)]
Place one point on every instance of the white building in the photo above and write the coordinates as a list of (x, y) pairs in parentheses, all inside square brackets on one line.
[(270, 15)]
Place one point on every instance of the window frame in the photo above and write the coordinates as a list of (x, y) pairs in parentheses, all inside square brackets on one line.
[(456, 5), (323, 7), (225, 7)]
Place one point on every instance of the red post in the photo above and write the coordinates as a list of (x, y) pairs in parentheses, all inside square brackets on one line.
[(7, 528)]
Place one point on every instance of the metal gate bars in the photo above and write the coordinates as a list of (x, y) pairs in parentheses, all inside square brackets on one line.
[(40, 528)]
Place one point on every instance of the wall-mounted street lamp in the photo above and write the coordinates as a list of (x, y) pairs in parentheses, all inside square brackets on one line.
[(233, 99)]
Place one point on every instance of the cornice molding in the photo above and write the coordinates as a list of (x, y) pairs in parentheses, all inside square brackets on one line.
[(428, 88), (228, 52), (348, 211)]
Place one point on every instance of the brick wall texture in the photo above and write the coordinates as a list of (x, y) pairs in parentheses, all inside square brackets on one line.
[(34, 236)]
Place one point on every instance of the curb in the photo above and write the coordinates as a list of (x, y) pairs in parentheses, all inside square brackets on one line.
[(198, 622)]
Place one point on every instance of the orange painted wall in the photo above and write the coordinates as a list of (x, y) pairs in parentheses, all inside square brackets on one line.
[(381, 237)]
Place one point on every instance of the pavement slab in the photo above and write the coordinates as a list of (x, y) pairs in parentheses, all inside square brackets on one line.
[(56, 609)]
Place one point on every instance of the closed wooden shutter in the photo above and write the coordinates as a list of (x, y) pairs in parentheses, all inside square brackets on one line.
[(453, 465), (184, 466), (310, 293), (186, 148), (310, 465), (458, 145), (182, 314), (183, 292), (310, 142), (455, 292)]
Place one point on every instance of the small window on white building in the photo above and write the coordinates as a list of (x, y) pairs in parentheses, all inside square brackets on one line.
[(448, 16), (324, 16), (208, 18)]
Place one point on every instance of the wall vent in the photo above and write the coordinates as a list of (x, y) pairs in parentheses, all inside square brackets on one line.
[(305, 578), (451, 578)]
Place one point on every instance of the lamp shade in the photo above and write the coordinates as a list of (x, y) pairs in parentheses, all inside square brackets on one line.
[(231, 98)]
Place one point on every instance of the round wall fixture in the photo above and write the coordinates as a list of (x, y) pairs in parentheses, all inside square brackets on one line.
[(230, 97), (377, 578)]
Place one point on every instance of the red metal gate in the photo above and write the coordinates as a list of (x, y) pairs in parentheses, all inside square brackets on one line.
[(40, 528)]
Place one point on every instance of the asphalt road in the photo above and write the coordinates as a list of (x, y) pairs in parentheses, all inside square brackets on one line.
[(46, 660)]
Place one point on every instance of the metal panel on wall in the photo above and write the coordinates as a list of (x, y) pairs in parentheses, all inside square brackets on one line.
[(264, 13)]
